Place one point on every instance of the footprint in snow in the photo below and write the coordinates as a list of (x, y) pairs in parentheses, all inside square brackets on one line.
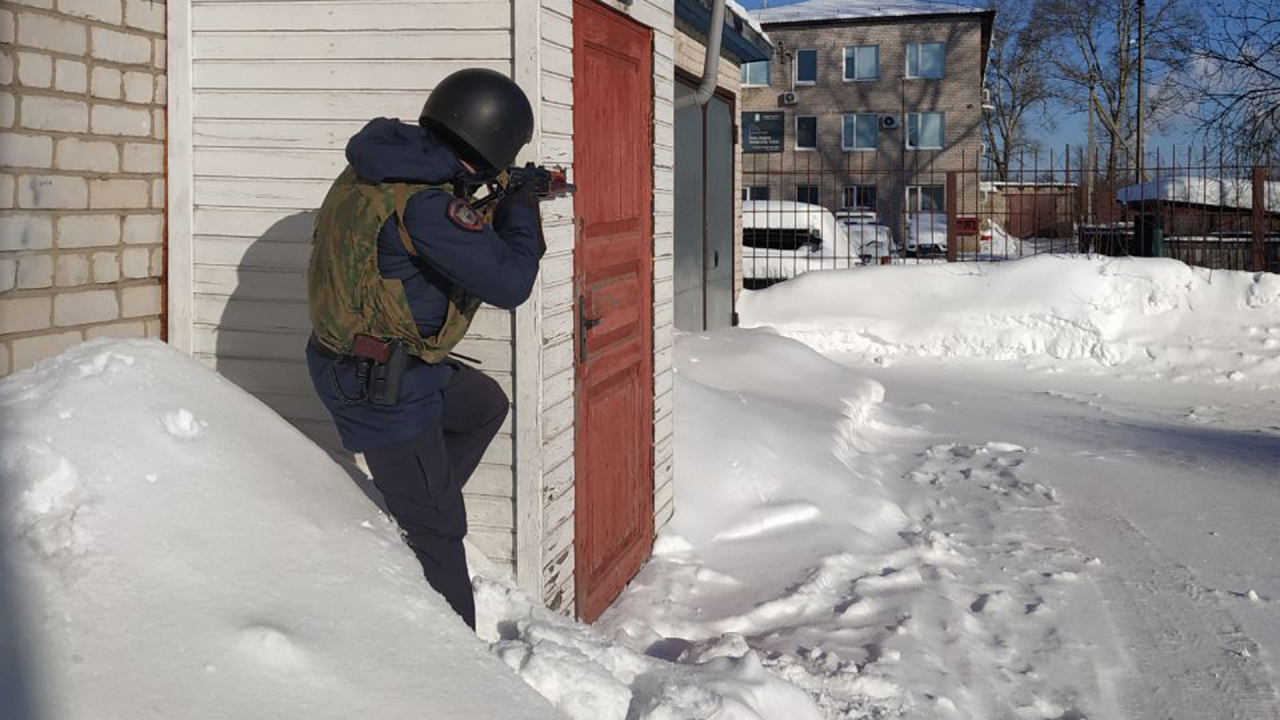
[(182, 424), (271, 646)]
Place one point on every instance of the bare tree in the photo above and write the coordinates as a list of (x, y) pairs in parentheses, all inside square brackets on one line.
[(1233, 87), (1097, 57), (1017, 83)]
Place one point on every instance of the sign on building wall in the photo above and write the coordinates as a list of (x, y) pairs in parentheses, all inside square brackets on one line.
[(763, 132)]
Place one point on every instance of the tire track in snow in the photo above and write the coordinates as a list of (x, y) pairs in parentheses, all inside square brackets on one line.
[(1169, 625)]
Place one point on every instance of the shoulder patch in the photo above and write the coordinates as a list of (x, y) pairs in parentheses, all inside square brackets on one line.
[(462, 215)]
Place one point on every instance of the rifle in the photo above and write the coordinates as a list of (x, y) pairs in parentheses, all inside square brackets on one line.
[(547, 184)]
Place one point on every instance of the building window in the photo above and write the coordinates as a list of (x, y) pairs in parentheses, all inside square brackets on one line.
[(806, 67), (862, 62), (862, 197), (924, 131), (924, 60), (755, 192), (926, 198), (755, 74), (807, 194), (861, 132), (806, 132)]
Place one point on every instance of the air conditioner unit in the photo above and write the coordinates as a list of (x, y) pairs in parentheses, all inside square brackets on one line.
[(788, 98), (889, 122)]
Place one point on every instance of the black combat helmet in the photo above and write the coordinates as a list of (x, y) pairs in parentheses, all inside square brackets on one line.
[(483, 115)]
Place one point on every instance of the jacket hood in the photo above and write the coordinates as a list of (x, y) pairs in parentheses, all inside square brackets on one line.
[(387, 150)]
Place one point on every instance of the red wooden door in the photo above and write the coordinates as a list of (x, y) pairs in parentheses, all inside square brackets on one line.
[(613, 269)]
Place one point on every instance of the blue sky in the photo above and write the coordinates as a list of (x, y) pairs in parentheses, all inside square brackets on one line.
[(1070, 129)]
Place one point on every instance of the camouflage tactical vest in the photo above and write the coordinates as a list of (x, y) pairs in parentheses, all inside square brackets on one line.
[(347, 295)]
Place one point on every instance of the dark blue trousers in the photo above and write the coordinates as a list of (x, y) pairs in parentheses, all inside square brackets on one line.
[(422, 479)]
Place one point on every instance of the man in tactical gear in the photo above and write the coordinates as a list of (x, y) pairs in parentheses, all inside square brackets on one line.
[(400, 262)]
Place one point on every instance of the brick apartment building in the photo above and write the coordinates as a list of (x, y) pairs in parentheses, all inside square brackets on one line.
[(878, 100)]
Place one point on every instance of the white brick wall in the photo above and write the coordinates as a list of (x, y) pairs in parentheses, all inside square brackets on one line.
[(81, 173)]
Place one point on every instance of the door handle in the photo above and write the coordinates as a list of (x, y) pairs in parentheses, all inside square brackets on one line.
[(584, 325)]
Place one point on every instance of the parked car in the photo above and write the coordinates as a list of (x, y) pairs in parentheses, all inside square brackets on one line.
[(926, 234), (781, 239), (873, 240)]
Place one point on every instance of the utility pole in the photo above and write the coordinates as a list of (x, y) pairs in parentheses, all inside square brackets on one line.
[(1142, 27)]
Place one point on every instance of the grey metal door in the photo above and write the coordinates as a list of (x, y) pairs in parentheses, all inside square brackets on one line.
[(704, 207), (718, 257), (688, 271)]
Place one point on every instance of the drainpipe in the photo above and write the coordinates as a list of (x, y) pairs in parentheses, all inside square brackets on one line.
[(711, 65)]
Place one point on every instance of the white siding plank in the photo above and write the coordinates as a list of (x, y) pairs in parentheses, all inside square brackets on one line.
[(307, 105), (276, 134), (497, 545), (449, 45), (331, 75), (352, 16), (272, 225), (269, 163), (257, 253), (302, 195)]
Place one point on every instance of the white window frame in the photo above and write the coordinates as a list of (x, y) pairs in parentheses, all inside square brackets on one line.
[(747, 190), (844, 140), (796, 145), (795, 68), (768, 81), (854, 186), (942, 131), (916, 207), (906, 71), (817, 191), (844, 69)]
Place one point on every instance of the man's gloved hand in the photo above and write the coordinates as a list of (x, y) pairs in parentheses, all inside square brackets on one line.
[(525, 195)]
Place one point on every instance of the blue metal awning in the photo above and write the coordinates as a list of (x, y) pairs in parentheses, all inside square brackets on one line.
[(740, 39)]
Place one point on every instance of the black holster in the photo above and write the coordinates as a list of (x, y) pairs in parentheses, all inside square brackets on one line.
[(385, 378)]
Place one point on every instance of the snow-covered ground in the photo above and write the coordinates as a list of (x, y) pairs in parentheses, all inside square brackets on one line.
[(1040, 489), (1044, 489), (171, 548)]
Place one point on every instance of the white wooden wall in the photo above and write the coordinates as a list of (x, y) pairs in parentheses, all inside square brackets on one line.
[(554, 29), (264, 97), (276, 88)]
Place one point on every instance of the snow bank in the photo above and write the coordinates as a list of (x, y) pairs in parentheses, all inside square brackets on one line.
[(589, 676), (169, 547), (1155, 318), (1228, 193), (778, 510)]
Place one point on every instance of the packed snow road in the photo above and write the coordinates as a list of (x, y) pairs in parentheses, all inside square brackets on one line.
[(1174, 491)]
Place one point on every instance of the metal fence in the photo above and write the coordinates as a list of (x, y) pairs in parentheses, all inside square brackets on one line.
[(804, 211)]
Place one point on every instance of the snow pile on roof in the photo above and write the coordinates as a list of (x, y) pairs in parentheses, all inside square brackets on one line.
[(1231, 193), (1155, 318), (818, 10), (169, 547), (743, 13)]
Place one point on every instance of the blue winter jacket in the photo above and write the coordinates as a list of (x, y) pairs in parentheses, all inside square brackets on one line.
[(497, 264)]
